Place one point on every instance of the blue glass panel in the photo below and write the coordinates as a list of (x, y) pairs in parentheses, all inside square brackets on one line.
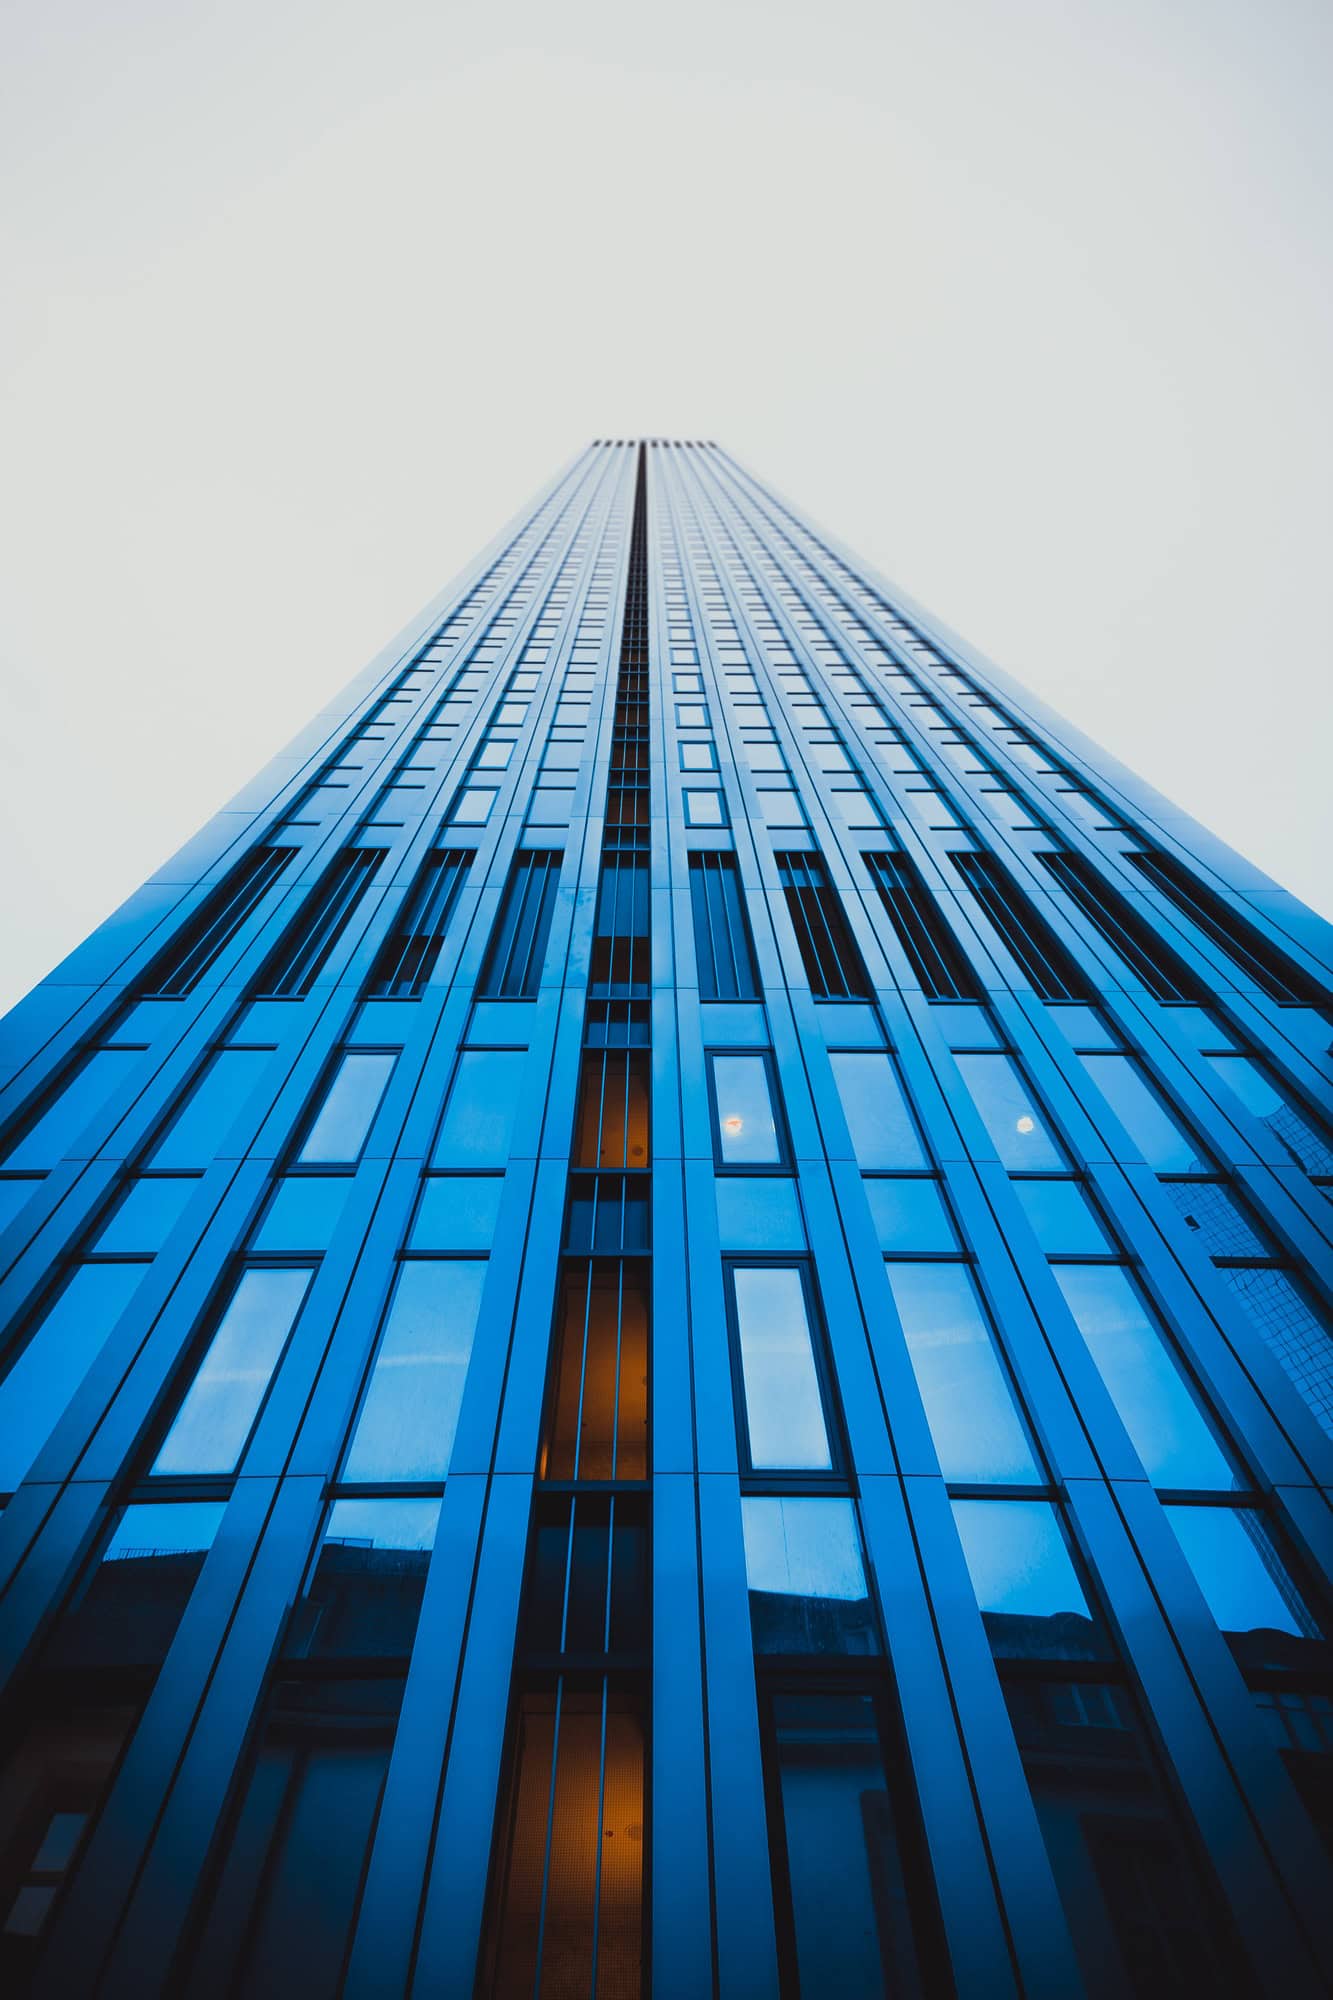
[(478, 1122), (457, 1212), (1162, 1140), (164, 1528), (342, 1123), (874, 1103), (966, 1027), (196, 1134), (1084, 1027), (1245, 1585), (1063, 1220), (363, 1598), (220, 1406), (303, 1214), (783, 1407), (55, 1131), (1032, 1603), (976, 1427), (410, 1412), (759, 1215), (910, 1215), (14, 1196), (1258, 1091), (146, 1215), (747, 1132), (1166, 1426), (70, 1336), (1018, 1128), (806, 1577)]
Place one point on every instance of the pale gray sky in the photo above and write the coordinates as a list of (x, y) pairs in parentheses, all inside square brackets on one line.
[(1028, 301)]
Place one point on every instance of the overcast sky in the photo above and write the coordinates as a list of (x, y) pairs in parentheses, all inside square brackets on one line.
[(1027, 301)]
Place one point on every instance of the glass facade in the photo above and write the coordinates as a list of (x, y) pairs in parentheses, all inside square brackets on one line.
[(665, 1328)]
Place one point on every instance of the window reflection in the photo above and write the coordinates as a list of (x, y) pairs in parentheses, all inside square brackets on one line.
[(478, 1122), (1062, 1218), (1018, 1128), (1160, 1137), (874, 1103), (342, 1124), (1245, 1585), (745, 1123), (410, 1411), (784, 1412), (909, 1215), (806, 1576), (1032, 1603), (978, 1433), (363, 1599), (215, 1419)]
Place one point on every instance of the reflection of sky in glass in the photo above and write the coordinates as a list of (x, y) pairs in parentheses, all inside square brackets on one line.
[(1164, 1143), (1017, 1559), (410, 1413), (1010, 1113), (909, 1215), (1165, 1424), (304, 1213), (803, 1548), (969, 1405), (1062, 1218), (344, 1118), (784, 1413), (165, 1527), (223, 1400), (145, 1217), (746, 1129), (1235, 1575), (384, 1524), (883, 1131)]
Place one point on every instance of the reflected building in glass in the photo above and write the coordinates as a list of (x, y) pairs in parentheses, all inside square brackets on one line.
[(667, 1330)]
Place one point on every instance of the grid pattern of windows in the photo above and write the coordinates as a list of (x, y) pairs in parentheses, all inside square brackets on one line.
[(673, 1336)]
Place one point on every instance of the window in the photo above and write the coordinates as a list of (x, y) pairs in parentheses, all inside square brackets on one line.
[(704, 809), (1157, 1407), (1295, 1131), (411, 949), (846, 1887), (518, 943), (874, 1102), (698, 757), (828, 951), (806, 1577), (1123, 928), (363, 1595), (456, 1212), (1017, 1127), (195, 1135), (1270, 969), (408, 1417), (296, 961), (745, 1122), (302, 1215), (217, 1414), (69, 1334), (478, 1124), (1062, 1218), (782, 1407), (1165, 1143), (909, 1215), (203, 937), (342, 1123), (723, 951), (144, 1215), (933, 953), (611, 1126), (970, 1405), (597, 1419), (1044, 962), (62, 1119)]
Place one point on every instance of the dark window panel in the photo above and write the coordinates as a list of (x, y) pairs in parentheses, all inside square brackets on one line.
[(306, 945), (407, 958), (517, 949), (932, 951)]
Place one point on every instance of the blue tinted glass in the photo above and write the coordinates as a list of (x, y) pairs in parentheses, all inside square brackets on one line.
[(483, 1104), (1017, 1126), (966, 1027), (1163, 1142), (473, 805), (1084, 1027), (849, 1897), (703, 809), (874, 1103), (910, 1215), (1032, 1603), (384, 1524), (1166, 1426), (145, 1216), (14, 1196), (221, 1404), (747, 1132), (1246, 1586), (1063, 1220), (456, 1212), (342, 1123), (410, 1413), (806, 1576), (55, 1131), (304, 1213), (978, 1433), (759, 1215), (63, 1347), (164, 1528), (1258, 1091), (194, 1137), (783, 1407)]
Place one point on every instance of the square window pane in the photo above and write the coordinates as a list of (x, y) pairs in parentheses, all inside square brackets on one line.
[(806, 1577), (473, 805), (704, 809), (303, 1214), (909, 1215), (478, 1123), (456, 1212), (1063, 1220), (747, 1133), (759, 1215), (342, 1124), (363, 1597), (145, 1216)]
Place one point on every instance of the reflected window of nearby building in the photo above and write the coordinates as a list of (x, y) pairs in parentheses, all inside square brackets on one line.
[(806, 1576)]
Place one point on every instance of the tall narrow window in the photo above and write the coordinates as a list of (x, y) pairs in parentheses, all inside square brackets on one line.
[(203, 937), (341, 1125), (970, 1405), (612, 1123), (883, 1131), (1270, 969), (409, 954), (932, 951), (215, 1419), (303, 950), (479, 1117), (1027, 937), (828, 951), (1124, 929), (722, 947), (782, 1400), (518, 943), (409, 1415), (746, 1126)]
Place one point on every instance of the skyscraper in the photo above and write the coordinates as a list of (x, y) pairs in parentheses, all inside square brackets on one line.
[(667, 1329)]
